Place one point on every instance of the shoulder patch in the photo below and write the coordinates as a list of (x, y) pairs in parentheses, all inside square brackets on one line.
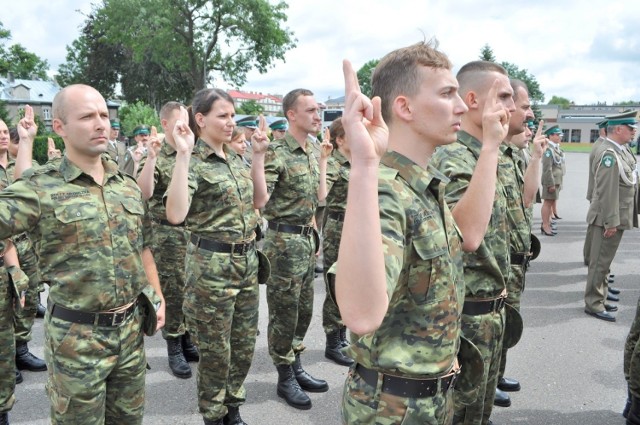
[(547, 153), (608, 160)]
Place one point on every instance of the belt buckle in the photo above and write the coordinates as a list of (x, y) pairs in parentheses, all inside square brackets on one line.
[(306, 230), (243, 249), (115, 317), (499, 303)]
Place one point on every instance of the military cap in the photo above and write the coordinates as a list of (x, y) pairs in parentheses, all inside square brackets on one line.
[(531, 124), (115, 124), (278, 125), (602, 124), (141, 130), (553, 130), (629, 118), (250, 121)]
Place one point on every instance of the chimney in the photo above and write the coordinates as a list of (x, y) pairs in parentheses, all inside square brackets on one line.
[(10, 78)]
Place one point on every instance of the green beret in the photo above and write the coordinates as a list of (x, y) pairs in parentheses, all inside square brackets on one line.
[(278, 125), (629, 118), (248, 122), (141, 130), (115, 124), (603, 123), (553, 130), (531, 124)]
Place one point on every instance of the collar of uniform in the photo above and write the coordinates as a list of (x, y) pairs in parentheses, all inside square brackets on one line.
[(616, 144), (205, 151), (293, 144), (473, 144), (71, 171), (340, 157), (167, 149), (416, 177), (554, 145), (506, 149)]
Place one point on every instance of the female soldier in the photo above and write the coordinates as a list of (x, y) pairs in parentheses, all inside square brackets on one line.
[(553, 169), (214, 195), (337, 182)]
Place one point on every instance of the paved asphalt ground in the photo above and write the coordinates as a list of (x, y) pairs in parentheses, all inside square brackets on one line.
[(569, 364)]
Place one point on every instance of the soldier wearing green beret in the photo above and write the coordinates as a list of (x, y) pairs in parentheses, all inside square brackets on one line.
[(278, 129), (613, 209), (248, 124), (116, 149), (553, 170), (136, 152)]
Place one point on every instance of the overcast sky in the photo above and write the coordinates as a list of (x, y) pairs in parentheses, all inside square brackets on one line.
[(575, 49)]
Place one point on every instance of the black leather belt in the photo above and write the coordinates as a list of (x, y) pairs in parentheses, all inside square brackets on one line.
[(214, 246), (168, 223), (407, 387), (291, 228), (519, 259), (474, 308), (109, 319), (337, 216)]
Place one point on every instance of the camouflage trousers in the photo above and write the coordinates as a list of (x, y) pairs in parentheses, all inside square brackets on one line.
[(289, 293), (515, 287), (331, 319), (632, 355), (221, 310), (96, 374), (485, 331), (363, 404), (24, 318), (169, 250), (7, 345)]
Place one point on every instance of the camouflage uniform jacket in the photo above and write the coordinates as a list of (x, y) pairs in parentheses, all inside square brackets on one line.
[(486, 269), (511, 174), (613, 201), (293, 177), (553, 166), (162, 172), (337, 182), (89, 236), (220, 196), (423, 260)]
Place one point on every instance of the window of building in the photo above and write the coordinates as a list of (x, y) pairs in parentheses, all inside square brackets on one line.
[(594, 136), (565, 135), (576, 136), (46, 113)]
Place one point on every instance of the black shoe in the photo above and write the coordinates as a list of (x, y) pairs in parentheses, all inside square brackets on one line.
[(189, 349), (4, 418), (614, 290), (289, 388), (19, 378), (614, 298), (633, 415), (544, 232), (318, 269), (233, 416), (40, 311), (213, 422), (501, 399), (508, 384), (603, 315), (25, 360), (343, 337), (306, 381), (610, 307), (177, 363), (333, 349), (627, 405)]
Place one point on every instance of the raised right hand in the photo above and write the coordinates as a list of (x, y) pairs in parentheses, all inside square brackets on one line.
[(259, 139), (182, 134), (154, 144), (495, 117)]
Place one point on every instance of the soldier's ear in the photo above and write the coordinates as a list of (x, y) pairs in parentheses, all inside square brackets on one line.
[(402, 108), (58, 127)]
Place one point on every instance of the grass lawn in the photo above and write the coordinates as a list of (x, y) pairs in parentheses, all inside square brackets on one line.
[(576, 147)]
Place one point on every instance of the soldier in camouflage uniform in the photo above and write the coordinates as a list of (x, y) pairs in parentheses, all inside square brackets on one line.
[(24, 317), (486, 270), (169, 241), (94, 254), (521, 185), (337, 182), (613, 209), (213, 193), (401, 241), (288, 183)]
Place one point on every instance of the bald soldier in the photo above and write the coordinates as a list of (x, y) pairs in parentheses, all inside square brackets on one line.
[(613, 209), (93, 235)]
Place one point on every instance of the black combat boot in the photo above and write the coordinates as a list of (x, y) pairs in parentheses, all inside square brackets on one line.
[(633, 418), (333, 349), (19, 377), (501, 399), (40, 311), (213, 422), (233, 416), (189, 349), (177, 363), (627, 405), (289, 389), (25, 360), (4, 418), (306, 381), (343, 337)]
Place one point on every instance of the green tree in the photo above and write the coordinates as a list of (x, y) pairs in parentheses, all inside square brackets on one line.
[(18, 60), (364, 76), (250, 107), (562, 101), (196, 37), (4, 112), (486, 54), (135, 114), (535, 94)]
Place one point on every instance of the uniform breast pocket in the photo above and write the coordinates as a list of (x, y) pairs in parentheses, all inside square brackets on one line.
[(429, 274), (77, 224), (222, 189), (132, 221), (298, 172)]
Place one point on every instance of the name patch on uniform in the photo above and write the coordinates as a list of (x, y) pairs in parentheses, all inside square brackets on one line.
[(63, 196), (608, 161)]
